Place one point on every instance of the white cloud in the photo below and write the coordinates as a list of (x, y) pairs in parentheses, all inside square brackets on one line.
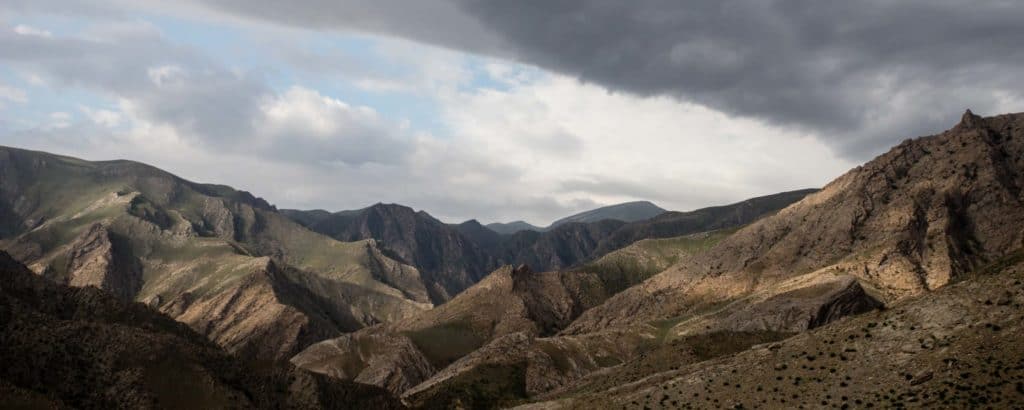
[(26, 30), (166, 75), (13, 94), (578, 142), (105, 118)]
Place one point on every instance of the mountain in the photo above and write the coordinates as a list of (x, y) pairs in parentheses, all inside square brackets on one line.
[(912, 220), (671, 224), (925, 229), (957, 347), (69, 347), (513, 227), (625, 212), (902, 271), (448, 261), (575, 243), (510, 302), (220, 260), (453, 257)]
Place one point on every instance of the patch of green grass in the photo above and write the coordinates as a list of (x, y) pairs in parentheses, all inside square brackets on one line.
[(643, 259), (444, 344)]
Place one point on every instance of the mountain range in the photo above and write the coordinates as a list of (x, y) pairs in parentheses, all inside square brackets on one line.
[(888, 237), (898, 284), (625, 212)]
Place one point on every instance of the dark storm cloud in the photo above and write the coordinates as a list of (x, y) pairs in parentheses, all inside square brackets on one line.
[(859, 74), (832, 67)]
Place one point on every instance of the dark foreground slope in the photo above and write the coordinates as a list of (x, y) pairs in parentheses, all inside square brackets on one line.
[(67, 347), (958, 347)]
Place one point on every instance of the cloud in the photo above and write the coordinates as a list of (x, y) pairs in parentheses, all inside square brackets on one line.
[(31, 31), (691, 107), (303, 125), (161, 84), (860, 75), (13, 94)]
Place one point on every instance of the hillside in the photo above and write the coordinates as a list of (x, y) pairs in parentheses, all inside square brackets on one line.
[(453, 257), (910, 221), (957, 347), (510, 302), (65, 347), (220, 260), (891, 229), (448, 261), (625, 212), (893, 233)]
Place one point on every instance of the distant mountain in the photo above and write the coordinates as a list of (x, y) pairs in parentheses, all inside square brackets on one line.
[(513, 227), (69, 347), (306, 218), (452, 258), (625, 212), (222, 261), (448, 260)]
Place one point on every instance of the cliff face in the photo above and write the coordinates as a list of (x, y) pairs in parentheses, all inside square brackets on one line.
[(95, 260)]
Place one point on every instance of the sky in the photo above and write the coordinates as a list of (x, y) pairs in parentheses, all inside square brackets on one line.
[(495, 110)]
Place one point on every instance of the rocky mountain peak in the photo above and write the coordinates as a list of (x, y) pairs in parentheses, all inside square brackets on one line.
[(969, 120)]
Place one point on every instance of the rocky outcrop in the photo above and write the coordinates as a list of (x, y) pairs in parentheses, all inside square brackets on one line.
[(391, 361), (99, 258), (789, 308)]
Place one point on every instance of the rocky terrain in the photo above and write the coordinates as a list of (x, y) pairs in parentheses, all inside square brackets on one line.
[(912, 220), (448, 260), (511, 305), (896, 285), (453, 257), (72, 347), (886, 241), (956, 347), (217, 259)]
